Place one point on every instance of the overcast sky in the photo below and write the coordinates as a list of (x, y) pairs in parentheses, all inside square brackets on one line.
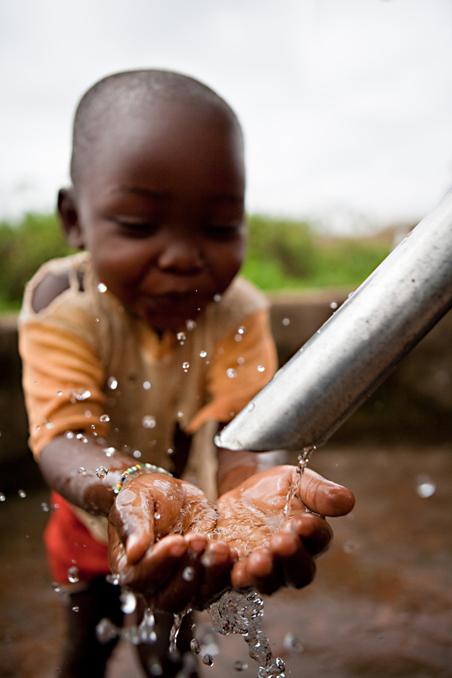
[(346, 104)]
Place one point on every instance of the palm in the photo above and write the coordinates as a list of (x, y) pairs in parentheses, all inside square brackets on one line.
[(276, 549), (158, 542)]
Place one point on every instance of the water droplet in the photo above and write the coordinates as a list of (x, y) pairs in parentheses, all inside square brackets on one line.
[(104, 418), (149, 421), (102, 287), (181, 337), (241, 330), (240, 360), (425, 486), (188, 574), (136, 454), (349, 547), (106, 631), (128, 602), (147, 385), (238, 337), (250, 407), (112, 383), (81, 395), (45, 507), (101, 472), (195, 647), (59, 393), (179, 414), (190, 325), (217, 298), (56, 587), (69, 435), (170, 451), (75, 608), (292, 643), (109, 451), (49, 425), (2, 497), (186, 366), (72, 574), (203, 354), (231, 373), (333, 305), (208, 660), (240, 666), (113, 579), (22, 494), (285, 322), (82, 470), (261, 368), (81, 437), (156, 669), (157, 516)]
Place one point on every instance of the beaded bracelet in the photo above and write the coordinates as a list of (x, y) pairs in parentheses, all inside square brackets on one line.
[(138, 468)]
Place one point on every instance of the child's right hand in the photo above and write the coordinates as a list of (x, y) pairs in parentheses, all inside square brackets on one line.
[(158, 542)]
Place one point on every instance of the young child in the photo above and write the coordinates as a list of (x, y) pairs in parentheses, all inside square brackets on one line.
[(141, 341)]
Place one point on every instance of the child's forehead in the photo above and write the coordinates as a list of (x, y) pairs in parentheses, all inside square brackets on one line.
[(167, 138)]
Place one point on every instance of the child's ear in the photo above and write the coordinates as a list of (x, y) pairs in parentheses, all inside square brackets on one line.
[(67, 211)]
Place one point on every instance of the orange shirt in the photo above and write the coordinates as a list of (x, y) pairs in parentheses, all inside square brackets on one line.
[(88, 365)]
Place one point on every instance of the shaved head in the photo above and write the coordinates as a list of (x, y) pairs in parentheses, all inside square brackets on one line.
[(123, 99)]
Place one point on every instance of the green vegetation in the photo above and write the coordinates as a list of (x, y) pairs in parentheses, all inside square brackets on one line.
[(287, 255), (282, 255)]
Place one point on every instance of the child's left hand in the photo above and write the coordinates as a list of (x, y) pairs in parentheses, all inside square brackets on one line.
[(274, 549)]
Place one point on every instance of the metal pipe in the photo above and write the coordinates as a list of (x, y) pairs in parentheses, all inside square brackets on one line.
[(354, 351)]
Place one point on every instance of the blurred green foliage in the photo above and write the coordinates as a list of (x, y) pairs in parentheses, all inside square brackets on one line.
[(288, 255), (282, 255)]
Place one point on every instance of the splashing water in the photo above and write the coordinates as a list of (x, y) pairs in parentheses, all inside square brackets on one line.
[(303, 461), (242, 614)]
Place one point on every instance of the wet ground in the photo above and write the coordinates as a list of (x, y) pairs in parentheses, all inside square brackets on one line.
[(381, 604)]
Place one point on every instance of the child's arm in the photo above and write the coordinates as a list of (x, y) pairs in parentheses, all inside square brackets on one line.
[(158, 525)]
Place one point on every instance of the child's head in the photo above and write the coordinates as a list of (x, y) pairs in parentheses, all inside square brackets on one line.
[(158, 192)]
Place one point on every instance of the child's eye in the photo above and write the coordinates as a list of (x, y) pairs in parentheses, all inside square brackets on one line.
[(223, 231), (137, 228)]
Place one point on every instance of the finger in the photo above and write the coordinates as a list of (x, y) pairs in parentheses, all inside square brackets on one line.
[(323, 496), (217, 562), (133, 516), (157, 566), (253, 570), (313, 530), (180, 590), (297, 564), (239, 575), (265, 571)]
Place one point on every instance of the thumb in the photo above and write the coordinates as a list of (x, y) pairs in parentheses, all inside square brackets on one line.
[(133, 517), (323, 496)]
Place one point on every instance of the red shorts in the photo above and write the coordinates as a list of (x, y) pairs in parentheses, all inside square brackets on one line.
[(69, 544)]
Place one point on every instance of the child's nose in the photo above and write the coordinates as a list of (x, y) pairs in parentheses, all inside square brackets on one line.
[(181, 256)]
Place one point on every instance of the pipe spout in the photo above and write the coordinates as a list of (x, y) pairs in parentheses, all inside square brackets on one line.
[(355, 350)]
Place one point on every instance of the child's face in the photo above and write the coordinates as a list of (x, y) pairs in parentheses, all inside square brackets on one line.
[(161, 209)]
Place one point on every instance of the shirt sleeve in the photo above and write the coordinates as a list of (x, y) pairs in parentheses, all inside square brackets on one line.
[(243, 363), (63, 383)]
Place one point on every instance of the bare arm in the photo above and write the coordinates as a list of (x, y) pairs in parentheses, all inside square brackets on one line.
[(82, 472), (235, 467)]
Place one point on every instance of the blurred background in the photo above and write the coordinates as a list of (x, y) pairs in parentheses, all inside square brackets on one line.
[(347, 108)]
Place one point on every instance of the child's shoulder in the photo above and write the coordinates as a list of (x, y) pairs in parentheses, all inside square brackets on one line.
[(54, 278), (59, 291)]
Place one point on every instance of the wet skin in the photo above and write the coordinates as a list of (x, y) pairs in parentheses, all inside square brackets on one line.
[(245, 540), (162, 212), (160, 207)]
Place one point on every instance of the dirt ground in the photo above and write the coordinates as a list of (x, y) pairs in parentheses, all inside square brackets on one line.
[(381, 604)]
